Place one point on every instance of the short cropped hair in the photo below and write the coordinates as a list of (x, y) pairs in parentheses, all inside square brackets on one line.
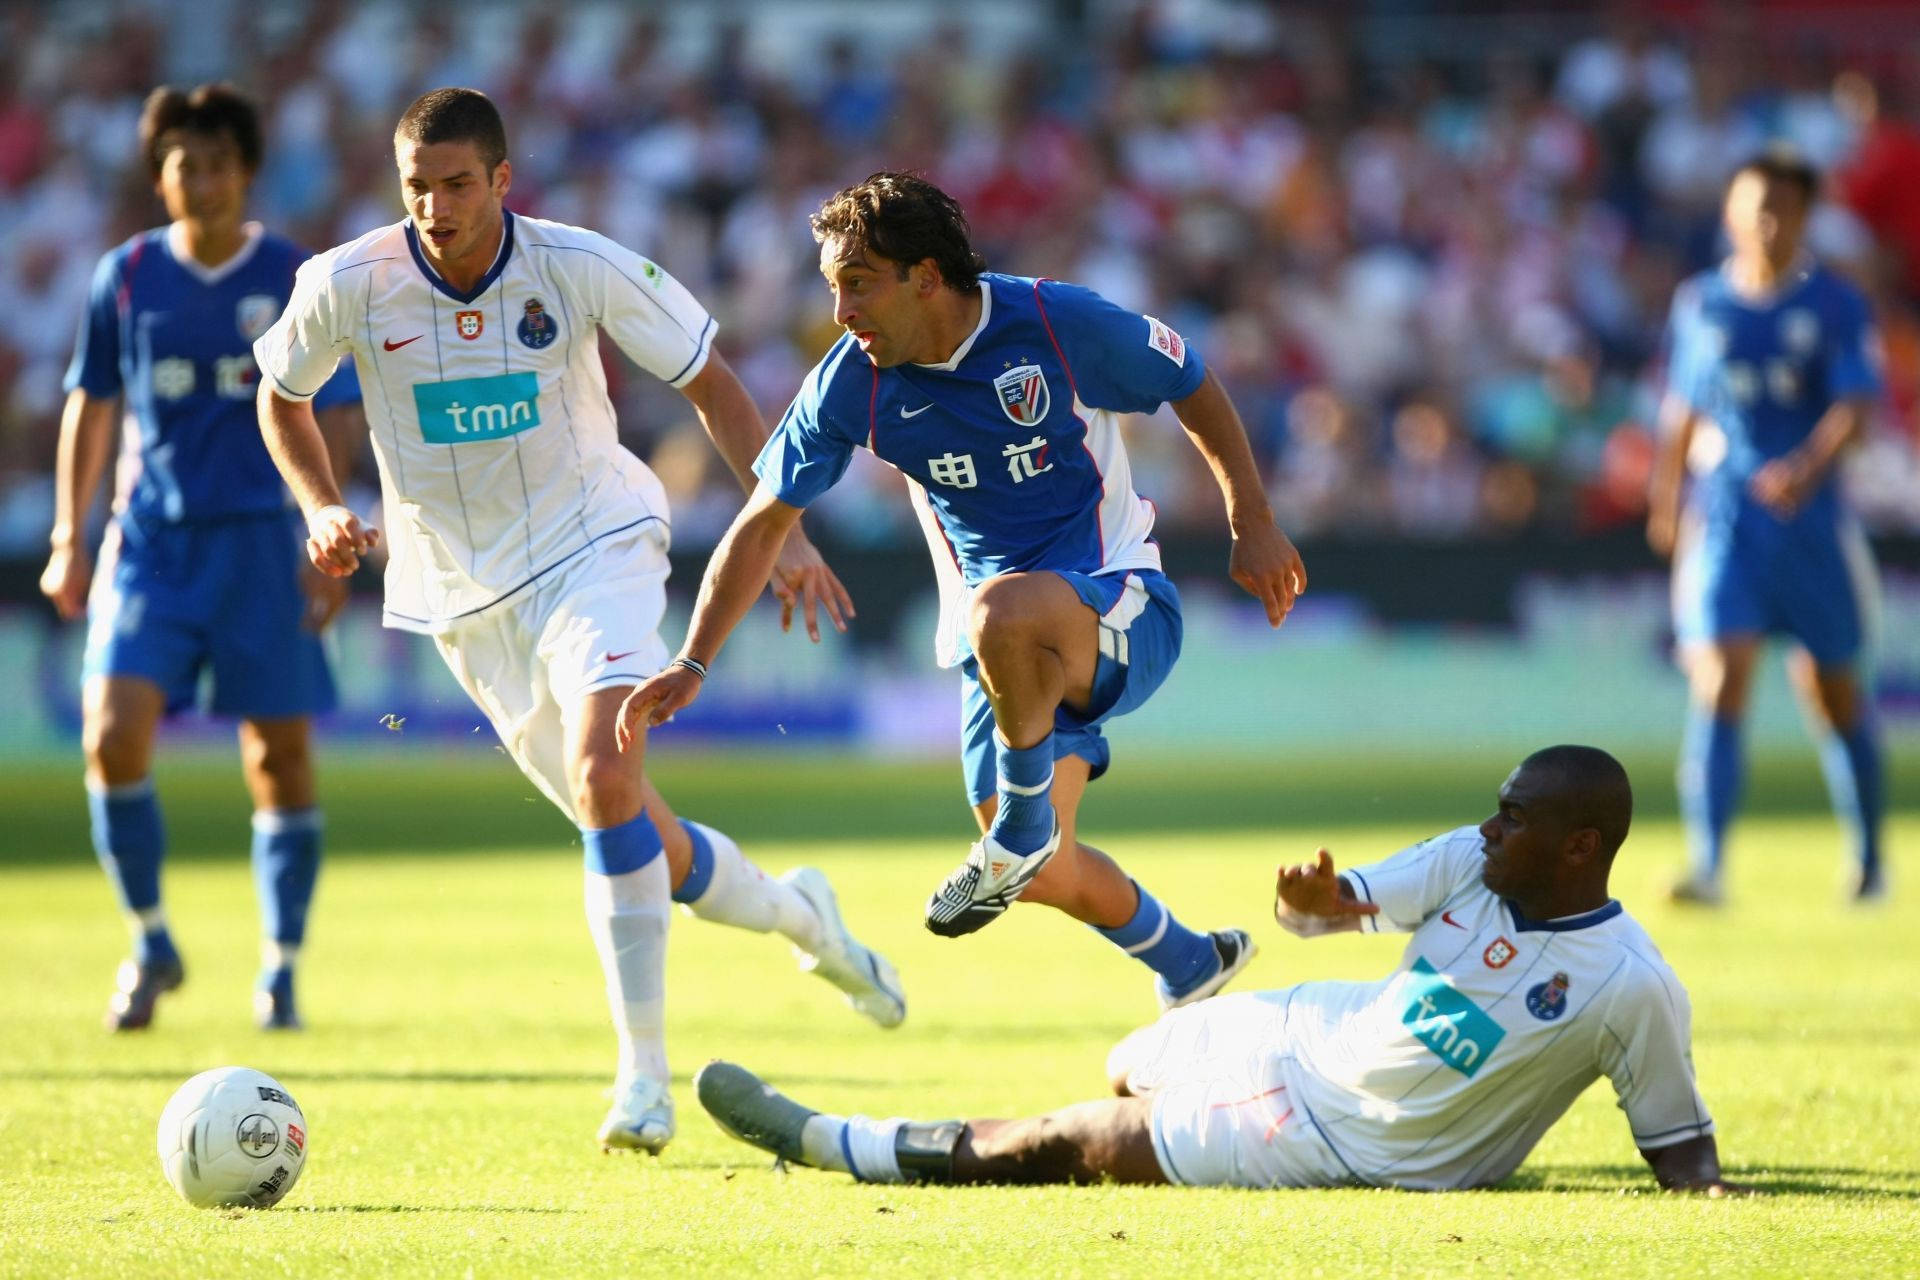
[(1783, 164), (1590, 790), (455, 115), (209, 110), (903, 217)]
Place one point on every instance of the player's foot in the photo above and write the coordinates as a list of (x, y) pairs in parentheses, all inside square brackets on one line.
[(982, 888), (750, 1109), (1869, 888), (1695, 891), (141, 984), (641, 1118), (1235, 949), (273, 1007), (871, 985)]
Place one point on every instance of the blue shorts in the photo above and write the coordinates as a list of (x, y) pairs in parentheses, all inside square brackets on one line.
[(172, 601), (1140, 632), (1813, 584)]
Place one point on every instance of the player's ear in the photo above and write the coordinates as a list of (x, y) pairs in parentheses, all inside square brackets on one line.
[(926, 277), (1582, 846), (503, 178)]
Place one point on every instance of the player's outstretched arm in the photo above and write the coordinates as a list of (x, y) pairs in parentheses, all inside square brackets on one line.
[(86, 441), (732, 583), (1693, 1165), (1264, 562), (1309, 900), (335, 537)]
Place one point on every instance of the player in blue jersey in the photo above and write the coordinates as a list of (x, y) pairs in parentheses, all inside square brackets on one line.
[(201, 572), (1771, 376), (997, 396)]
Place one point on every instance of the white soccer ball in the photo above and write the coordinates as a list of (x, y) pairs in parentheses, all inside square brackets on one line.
[(232, 1137)]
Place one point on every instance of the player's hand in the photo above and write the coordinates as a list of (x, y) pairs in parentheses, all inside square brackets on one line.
[(1312, 889), (66, 580), (326, 596), (1783, 485), (1267, 567), (801, 577), (655, 702), (336, 540)]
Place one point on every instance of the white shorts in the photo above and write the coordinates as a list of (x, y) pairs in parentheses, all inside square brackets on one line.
[(1222, 1115), (528, 662)]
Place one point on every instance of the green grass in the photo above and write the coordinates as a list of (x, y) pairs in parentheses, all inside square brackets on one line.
[(459, 1044)]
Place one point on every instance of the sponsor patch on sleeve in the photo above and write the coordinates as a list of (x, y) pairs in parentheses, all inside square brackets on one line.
[(1166, 342)]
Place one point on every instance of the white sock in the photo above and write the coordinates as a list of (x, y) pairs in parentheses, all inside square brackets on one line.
[(744, 896), (146, 920), (827, 1142), (627, 915), (278, 955)]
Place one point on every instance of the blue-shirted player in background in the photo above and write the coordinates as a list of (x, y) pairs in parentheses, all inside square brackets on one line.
[(202, 570), (1771, 376), (997, 396)]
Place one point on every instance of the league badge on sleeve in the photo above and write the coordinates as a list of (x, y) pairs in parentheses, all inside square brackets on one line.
[(255, 314), (1549, 1000), (537, 328), (1163, 339), (1023, 394), (468, 324)]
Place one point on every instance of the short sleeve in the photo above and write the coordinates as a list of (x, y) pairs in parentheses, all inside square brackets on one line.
[(1853, 349), (96, 352), (1116, 359), (301, 350), (649, 315), (1686, 354), (1414, 883), (809, 450), (342, 388), (1646, 1050)]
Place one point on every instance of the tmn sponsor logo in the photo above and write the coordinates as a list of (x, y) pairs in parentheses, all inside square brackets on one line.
[(464, 410), (1454, 1027)]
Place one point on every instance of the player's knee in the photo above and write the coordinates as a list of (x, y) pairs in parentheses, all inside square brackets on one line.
[(605, 792), (1053, 1151), (276, 758), (117, 750), (1001, 613)]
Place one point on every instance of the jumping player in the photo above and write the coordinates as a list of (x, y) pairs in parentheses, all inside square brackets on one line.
[(1770, 379), (201, 571), (997, 396), (532, 547)]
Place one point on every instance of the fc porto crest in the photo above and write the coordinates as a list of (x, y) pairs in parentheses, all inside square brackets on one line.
[(255, 314), (1549, 1000), (537, 328), (1023, 394), (468, 324)]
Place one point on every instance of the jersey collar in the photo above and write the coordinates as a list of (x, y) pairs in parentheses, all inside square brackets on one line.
[(1790, 282), (176, 241), (1563, 924), (485, 282), (952, 362)]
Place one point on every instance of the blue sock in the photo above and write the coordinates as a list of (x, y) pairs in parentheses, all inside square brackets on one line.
[(1710, 772), (1181, 957), (1858, 785), (286, 865), (700, 874), (614, 851), (1024, 820), (131, 843)]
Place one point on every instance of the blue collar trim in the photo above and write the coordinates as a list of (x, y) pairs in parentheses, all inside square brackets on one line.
[(439, 282), (1584, 920)]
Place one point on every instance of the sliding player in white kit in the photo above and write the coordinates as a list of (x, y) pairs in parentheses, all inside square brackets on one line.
[(1522, 984), (532, 547)]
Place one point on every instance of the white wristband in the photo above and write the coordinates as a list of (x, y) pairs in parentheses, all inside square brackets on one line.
[(332, 506)]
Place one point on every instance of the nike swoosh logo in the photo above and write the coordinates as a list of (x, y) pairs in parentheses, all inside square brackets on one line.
[(615, 657), (916, 413), (391, 345), (1448, 917)]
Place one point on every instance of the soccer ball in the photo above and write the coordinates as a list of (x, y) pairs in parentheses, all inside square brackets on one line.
[(232, 1137)]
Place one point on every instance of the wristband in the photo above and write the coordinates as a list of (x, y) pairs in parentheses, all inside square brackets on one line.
[(694, 665)]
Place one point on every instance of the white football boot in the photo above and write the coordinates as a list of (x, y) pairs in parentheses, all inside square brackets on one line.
[(982, 888), (871, 985), (641, 1118)]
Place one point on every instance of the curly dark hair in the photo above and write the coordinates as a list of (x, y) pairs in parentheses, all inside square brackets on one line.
[(210, 110), (904, 218)]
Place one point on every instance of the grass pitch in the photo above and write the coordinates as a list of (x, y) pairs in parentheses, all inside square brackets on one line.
[(459, 1045)]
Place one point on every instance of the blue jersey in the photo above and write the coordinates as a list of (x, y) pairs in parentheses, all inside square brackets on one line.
[(1764, 371), (175, 338), (1013, 445)]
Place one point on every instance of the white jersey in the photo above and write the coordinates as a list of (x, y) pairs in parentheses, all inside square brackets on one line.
[(498, 453), (1447, 1073)]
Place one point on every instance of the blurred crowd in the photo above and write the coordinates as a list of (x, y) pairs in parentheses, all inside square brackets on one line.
[(1436, 286)]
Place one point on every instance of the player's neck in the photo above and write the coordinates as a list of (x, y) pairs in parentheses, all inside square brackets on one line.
[(1565, 900), (464, 272), (211, 244), (1758, 275), (955, 317)]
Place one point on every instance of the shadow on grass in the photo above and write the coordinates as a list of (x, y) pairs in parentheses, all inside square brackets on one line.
[(297, 1079), (1796, 1180), (427, 1208)]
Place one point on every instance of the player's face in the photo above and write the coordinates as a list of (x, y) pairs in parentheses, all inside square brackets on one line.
[(203, 179), (885, 313), (453, 200), (1522, 841), (1765, 218)]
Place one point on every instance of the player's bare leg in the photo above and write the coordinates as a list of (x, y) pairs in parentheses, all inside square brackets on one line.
[(276, 758), (1841, 716), (1107, 1139), (1719, 675), (119, 717)]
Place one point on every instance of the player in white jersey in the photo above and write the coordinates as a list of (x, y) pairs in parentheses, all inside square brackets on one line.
[(1523, 983), (532, 547)]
